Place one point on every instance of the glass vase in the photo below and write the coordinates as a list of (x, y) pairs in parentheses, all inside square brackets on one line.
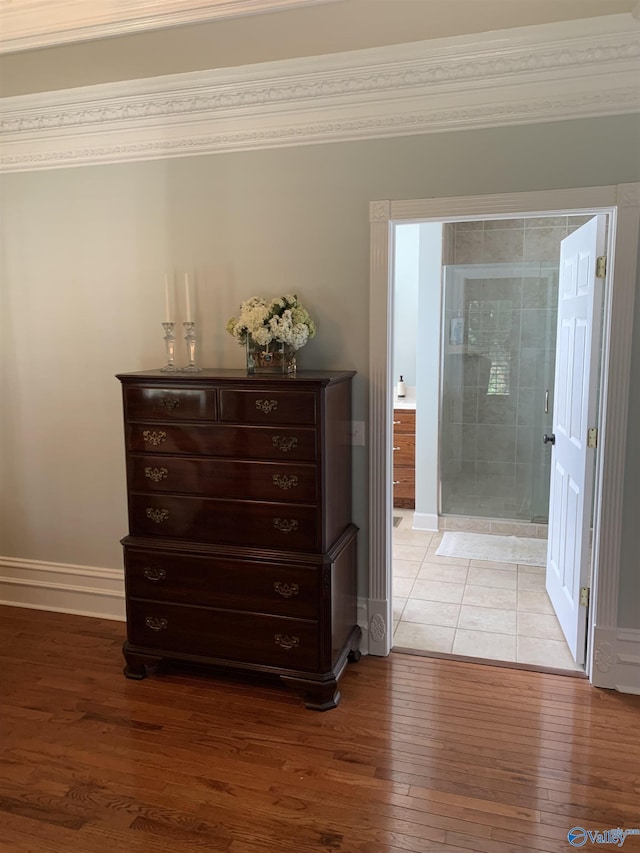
[(273, 358)]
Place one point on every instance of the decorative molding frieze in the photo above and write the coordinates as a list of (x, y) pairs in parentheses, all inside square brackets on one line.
[(82, 590), (604, 657), (379, 211), (629, 195), (44, 23), (377, 628), (590, 67)]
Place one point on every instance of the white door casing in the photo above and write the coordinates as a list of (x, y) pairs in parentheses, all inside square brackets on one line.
[(574, 411), (622, 203)]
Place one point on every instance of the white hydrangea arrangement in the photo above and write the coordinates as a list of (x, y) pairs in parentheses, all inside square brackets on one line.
[(283, 319)]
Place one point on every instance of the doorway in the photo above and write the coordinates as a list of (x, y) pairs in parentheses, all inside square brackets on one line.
[(472, 607), (617, 327), (498, 284)]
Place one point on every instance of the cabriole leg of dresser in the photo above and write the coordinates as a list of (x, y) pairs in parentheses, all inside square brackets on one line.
[(138, 664), (318, 695)]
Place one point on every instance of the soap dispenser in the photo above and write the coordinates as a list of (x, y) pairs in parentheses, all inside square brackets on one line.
[(400, 389)]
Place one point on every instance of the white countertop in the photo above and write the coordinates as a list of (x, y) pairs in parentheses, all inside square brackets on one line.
[(406, 402)]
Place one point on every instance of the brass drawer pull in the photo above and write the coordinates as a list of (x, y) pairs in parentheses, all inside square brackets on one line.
[(157, 515), (396, 448), (287, 642), (266, 406), (285, 525), (396, 482), (396, 423), (283, 443), (156, 623), (170, 403), (156, 474), (154, 436), (286, 590), (153, 574), (283, 481)]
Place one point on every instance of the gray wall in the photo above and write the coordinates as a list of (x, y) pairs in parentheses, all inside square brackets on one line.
[(629, 601), (83, 256)]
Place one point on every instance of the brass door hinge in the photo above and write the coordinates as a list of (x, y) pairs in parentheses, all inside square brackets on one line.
[(592, 437), (584, 596), (601, 266)]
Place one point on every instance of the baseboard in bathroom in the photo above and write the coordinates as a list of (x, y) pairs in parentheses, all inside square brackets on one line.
[(425, 521), (497, 526)]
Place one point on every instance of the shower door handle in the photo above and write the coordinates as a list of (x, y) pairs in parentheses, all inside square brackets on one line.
[(549, 439)]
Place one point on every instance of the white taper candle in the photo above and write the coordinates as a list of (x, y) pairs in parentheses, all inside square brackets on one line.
[(187, 297), (167, 302)]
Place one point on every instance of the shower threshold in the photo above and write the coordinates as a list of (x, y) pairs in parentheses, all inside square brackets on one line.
[(498, 526)]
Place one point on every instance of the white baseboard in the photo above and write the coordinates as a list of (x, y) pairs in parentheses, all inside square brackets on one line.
[(363, 622), (425, 521), (63, 588), (616, 660)]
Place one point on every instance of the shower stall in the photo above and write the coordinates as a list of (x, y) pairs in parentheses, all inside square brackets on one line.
[(498, 364)]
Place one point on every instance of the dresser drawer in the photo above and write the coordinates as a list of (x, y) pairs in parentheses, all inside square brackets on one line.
[(404, 420), (269, 525), (224, 478), (404, 449), (267, 407), (404, 482), (277, 589), (283, 443), (223, 634), (169, 404)]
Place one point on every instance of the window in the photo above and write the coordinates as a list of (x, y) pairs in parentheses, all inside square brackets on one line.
[(489, 324)]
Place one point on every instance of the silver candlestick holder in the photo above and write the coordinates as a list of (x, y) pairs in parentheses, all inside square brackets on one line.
[(190, 338), (170, 342)]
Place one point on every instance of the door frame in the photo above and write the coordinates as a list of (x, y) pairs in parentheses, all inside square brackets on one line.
[(622, 204)]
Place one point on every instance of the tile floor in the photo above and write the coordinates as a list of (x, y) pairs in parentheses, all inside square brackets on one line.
[(498, 611)]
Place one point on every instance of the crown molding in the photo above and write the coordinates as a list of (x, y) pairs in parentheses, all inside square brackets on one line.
[(44, 23), (576, 69)]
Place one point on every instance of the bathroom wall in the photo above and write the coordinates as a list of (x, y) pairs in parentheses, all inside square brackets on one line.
[(499, 357), (428, 375), (416, 350), (405, 302)]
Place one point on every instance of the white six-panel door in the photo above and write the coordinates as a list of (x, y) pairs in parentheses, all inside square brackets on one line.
[(574, 412)]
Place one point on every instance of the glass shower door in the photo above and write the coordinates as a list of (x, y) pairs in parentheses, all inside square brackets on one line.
[(498, 360)]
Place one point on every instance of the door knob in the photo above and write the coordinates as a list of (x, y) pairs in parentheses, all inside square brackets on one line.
[(549, 439)]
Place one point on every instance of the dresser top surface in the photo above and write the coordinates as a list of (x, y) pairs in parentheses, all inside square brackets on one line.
[(234, 377)]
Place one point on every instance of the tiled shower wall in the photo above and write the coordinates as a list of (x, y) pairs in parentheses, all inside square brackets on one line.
[(493, 462)]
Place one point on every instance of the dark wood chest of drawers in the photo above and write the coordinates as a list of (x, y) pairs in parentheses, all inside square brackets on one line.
[(241, 552)]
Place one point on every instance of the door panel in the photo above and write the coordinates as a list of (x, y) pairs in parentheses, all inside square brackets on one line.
[(575, 401)]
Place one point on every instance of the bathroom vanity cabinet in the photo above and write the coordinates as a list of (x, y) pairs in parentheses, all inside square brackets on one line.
[(241, 550), (404, 458)]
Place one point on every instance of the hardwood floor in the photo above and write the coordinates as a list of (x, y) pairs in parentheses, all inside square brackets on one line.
[(421, 755)]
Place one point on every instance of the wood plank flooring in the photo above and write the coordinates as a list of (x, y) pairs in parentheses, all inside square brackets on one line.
[(421, 755)]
